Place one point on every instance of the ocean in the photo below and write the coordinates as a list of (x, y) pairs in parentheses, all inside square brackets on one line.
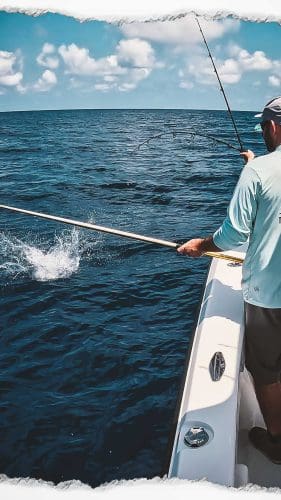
[(95, 328)]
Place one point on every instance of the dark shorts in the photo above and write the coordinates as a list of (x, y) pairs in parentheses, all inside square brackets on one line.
[(263, 343)]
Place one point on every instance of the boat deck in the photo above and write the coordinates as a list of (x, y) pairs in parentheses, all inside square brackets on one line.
[(260, 470)]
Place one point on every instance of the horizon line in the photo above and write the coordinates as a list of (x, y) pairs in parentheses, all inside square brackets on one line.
[(126, 109)]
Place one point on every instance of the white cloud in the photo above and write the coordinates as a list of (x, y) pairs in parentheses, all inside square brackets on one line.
[(277, 66), (125, 87), (11, 80), (231, 69), (75, 83), (48, 48), (110, 78), (79, 62), (135, 52), (186, 85), (103, 87), (47, 58), (9, 76), (22, 89), (253, 62), (274, 81), (181, 32), (47, 81), (7, 60), (198, 69), (134, 77), (132, 62), (233, 49)]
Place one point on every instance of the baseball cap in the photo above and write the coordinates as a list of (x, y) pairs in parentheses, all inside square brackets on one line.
[(272, 111)]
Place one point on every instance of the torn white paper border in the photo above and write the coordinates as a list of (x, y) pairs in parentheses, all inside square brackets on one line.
[(127, 490), (113, 11)]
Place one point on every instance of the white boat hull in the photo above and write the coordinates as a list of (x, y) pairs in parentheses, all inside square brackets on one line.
[(226, 408)]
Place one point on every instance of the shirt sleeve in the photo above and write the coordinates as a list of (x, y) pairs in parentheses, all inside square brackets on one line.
[(241, 212)]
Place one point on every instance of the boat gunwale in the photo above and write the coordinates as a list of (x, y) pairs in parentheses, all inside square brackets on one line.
[(173, 427)]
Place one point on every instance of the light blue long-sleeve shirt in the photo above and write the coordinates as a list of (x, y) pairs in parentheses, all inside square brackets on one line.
[(253, 215)]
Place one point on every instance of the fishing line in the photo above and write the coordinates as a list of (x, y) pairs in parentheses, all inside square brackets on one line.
[(191, 132)]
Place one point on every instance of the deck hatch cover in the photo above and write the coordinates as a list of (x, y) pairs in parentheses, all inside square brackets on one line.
[(217, 366)]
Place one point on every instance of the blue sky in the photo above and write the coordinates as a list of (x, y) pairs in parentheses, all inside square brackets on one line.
[(56, 62)]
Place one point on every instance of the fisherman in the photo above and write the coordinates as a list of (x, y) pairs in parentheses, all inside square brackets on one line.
[(254, 215)]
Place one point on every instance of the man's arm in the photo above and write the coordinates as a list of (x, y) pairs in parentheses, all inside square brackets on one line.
[(238, 224)]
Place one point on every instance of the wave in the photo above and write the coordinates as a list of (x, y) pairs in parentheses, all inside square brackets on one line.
[(119, 185), (20, 150)]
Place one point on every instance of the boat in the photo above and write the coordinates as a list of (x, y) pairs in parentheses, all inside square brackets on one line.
[(217, 404)]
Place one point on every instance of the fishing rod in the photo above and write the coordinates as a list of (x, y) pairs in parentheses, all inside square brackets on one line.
[(221, 88), (189, 131), (117, 232), (193, 132)]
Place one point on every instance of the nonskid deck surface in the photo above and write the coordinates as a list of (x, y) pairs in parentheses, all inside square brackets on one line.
[(261, 471)]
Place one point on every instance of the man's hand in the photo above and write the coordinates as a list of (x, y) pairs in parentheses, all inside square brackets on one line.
[(193, 248), (198, 246), (248, 155)]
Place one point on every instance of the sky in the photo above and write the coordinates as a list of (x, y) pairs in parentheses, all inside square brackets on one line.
[(56, 62)]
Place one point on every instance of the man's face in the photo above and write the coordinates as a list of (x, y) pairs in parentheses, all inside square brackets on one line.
[(268, 134)]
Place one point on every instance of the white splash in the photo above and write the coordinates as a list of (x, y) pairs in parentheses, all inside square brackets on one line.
[(60, 260)]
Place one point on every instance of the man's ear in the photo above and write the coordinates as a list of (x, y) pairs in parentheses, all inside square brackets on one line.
[(273, 126)]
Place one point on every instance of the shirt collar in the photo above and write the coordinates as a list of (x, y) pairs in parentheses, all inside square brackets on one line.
[(278, 148)]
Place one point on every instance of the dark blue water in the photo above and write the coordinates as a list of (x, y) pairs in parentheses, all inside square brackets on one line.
[(95, 328)]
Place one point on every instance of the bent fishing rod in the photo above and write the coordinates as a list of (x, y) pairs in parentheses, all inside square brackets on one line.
[(117, 232), (221, 88), (193, 133)]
